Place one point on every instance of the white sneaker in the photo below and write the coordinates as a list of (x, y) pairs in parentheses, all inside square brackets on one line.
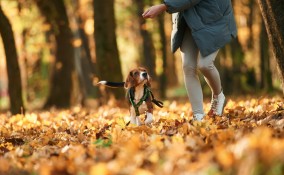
[(217, 104), (198, 117)]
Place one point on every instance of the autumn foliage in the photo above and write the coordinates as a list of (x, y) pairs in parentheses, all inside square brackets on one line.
[(247, 139)]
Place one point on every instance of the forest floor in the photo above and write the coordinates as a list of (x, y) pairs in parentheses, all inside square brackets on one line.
[(247, 139)]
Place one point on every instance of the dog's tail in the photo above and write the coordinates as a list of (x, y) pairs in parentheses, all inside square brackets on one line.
[(111, 84)]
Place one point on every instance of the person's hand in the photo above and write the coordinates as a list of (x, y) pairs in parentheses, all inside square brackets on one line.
[(154, 11)]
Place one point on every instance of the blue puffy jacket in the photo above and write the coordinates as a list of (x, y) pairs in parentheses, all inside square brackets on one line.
[(211, 22)]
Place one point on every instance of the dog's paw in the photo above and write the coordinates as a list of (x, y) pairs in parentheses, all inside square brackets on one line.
[(138, 121), (149, 118), (135, 121), (148, 121)]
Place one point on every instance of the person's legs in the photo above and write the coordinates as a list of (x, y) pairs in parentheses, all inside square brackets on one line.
[(212, 77), (192, 61), (189, 55), (210, 72)]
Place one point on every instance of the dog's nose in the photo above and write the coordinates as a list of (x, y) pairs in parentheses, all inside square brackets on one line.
[(144, 74)]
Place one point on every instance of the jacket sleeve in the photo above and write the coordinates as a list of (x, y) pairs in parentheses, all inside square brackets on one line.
[(174, 6)]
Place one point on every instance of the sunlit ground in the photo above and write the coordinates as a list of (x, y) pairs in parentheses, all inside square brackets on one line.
[(247, 139)]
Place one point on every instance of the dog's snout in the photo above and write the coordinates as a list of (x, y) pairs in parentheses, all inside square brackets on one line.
[(145, 75)]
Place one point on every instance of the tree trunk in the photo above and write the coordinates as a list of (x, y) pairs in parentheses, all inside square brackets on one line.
[(232, 76), (88, 66), (171, 74), (265, 72), (14, 74), (149, 57), (163, 76), (250, 21), (107, 56), (80, 92), (272, 13), (61, 79)]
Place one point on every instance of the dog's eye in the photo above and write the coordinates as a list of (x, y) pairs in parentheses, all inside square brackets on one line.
[(136, 73)]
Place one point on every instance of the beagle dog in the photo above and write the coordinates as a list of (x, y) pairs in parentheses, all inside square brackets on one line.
[(139, 94)]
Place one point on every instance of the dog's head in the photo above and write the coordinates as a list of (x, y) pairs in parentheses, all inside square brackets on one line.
[(137, 77)]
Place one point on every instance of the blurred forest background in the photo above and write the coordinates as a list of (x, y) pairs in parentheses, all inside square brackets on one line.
[(62, 48)]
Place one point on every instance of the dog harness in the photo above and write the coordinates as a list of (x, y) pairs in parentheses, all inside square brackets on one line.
[(147, 93)]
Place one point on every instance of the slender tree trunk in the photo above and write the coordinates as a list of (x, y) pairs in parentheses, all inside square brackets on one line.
[(232, 75), (149, 57), (83, 64), (250, 21), (171, 74), (266, 75), (238, 57), (107, 56), (61, 80), (79, 88), (13, 69), (163, 76), (88, 66), (89, 73), (272, 13)]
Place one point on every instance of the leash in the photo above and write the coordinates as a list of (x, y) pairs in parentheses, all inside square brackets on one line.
[(147, 93), (156, 102)]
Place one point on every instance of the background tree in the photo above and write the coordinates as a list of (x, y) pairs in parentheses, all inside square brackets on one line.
[(107, 55), (266, 76), (14, 75), (148, 49), (163, 77), (63, 68), (272, 13), (88, 65), (171, 70), (84, 66)]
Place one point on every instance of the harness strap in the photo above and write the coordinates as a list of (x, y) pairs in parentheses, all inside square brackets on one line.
[(146, 93)]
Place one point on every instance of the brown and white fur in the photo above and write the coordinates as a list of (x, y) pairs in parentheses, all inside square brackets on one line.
[(136, 80)]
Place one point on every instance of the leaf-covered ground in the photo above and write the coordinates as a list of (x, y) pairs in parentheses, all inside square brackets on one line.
[(247, 139)]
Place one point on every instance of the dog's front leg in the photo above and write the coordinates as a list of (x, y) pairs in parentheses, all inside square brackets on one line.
[(138, 121), (133, 118)]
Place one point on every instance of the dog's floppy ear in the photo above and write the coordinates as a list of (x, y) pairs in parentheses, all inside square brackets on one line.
[(129, 81)]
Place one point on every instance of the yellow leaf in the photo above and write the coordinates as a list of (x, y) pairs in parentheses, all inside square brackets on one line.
[(224, 157), (4, 165), (154, 157), (99, 169), (142, 172)]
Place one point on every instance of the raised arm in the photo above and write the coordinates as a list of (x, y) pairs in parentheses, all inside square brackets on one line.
[(174, 6), (171, 6)]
